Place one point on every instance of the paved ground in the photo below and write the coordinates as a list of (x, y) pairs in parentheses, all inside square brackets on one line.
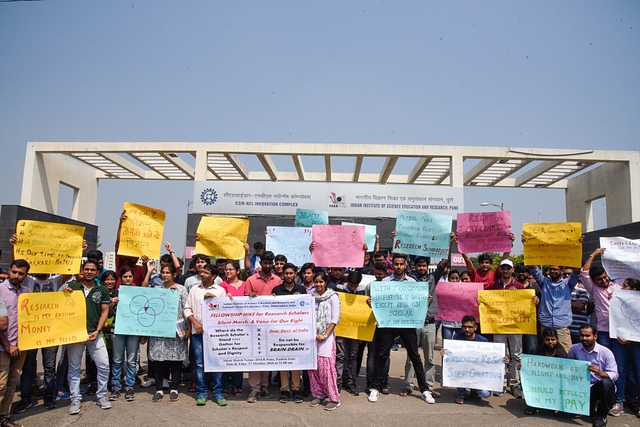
[(391, 410)]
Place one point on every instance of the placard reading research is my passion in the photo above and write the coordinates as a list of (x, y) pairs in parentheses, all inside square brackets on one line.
[(259, 334)]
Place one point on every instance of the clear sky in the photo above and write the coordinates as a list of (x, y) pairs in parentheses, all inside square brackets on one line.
[(543, 74)]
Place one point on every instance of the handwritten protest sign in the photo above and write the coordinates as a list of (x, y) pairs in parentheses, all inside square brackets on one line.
[(473, 364), (421, 233), (484, 231), (141, 232), (624, 315), (400, 304), (369, 234), (259, 334), (556, 384), (292, 242), (49, 247), (337, 246), (307, 218), (356, 318), (458, 299), (47, 319), (621, 258), (507, 312), (553, 243), (151, 312), (222, 237)]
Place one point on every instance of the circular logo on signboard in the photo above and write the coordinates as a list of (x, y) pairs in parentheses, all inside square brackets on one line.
[(209, 196)]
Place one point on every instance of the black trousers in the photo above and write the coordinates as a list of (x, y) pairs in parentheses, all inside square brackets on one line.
[(384, 341), (603, 393)]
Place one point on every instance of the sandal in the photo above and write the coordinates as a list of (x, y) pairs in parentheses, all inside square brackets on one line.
[(225, 393), (435, 394), (193, 388), (529, 410), (237, 392), (460, 399), (406, 392)]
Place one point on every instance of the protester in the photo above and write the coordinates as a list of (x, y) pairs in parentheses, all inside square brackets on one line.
[(234, 287), (168, 353), (324, 379), (11, 357), (97, 301), (604, 373)]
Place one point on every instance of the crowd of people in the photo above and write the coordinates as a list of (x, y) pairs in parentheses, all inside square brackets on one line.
[(572, 317)]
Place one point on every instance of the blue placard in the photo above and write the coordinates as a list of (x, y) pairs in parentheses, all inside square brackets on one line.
[(422, 234), (307, 218), (150, 312), (400, 304), (369, 234), (556, 384)]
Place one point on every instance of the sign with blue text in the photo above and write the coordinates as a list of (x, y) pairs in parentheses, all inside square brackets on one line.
[(422, 234), (556, 384), (473, 364), (400, 304)]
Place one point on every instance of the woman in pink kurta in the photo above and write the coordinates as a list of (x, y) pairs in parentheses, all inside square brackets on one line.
[(234, 287)]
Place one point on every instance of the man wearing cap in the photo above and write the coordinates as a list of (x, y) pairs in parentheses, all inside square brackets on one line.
[(513, 342)]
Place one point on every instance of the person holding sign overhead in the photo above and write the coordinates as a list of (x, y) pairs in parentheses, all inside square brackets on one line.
[(97, 301), (483, 274)]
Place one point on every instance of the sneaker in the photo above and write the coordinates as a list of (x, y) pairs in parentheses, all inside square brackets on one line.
[(384, 389), (202, 399), (284, 397), (63, 395), (426, 395), (91, 391), (129, 394), (297, 397), (499, 393), (353, 389), (103, 402), (158, 396), (315, 402), (165, 384), (115, 394), (173, 396), (50, 404), (220, 400), (373, 395), (516, 390), (74, 408), (22, 406), (614, 412), (148, 383), (331, 406), (600, 422), (253, 396)]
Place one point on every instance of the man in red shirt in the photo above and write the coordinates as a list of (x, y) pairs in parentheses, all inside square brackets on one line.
[(260, 284), (484, 274)]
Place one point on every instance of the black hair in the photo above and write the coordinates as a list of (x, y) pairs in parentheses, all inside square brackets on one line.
[(95, 254), (549, 332), (290, 266), (308, 265), (21, 263), (469, 319), (235, 264), (397, 255), (521, 268), (281, 257), (172, 268), (633, 283), (211, 268), (124, 270), (379, 254), (197, 257), (106, 275), (452, 272), (166, 258), (422, 259), (354, 277), (323, 276), (257, 246), (596, 271), (267, 256), (588, 326), (221, 261), (484, 256), (380, 266), (91, 261)]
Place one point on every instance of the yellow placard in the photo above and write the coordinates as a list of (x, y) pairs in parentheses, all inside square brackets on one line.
[(48, 319), (553, 244), (222, 237), (49, 247), (141, 232), (507, 312), (356, 318)]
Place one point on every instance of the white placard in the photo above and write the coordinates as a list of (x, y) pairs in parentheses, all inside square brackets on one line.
[(292, 242), (621, 258), (473, 364), (339, 199), (624, 315), (259, 334)]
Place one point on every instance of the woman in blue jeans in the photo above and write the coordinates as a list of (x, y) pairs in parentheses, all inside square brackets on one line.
[(120, 345), (627, 354)]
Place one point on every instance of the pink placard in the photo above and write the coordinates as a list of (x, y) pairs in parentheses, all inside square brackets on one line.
[(338, 246), (484, 232), (458, 299)]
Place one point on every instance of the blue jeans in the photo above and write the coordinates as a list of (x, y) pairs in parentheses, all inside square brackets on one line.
[(130, 344), (627, 356), (98, 351), (483, 393), (196, 342), (604, 339), (529, 343)]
